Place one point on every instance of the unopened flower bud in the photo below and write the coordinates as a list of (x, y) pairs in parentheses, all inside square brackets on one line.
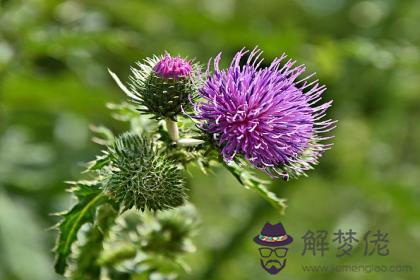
[(163, 86)]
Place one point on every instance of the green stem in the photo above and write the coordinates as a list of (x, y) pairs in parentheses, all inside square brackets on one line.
[(172, 128)]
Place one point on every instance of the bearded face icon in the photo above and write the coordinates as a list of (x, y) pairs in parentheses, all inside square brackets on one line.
[(273, 263), (273, 251)]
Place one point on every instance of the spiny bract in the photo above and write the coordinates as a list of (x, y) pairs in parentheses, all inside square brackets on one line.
[(143, 177)]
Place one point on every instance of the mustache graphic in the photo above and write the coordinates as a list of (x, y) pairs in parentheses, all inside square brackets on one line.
[(273, 261), (271, 266)]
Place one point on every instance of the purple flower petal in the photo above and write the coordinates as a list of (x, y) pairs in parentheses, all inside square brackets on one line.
[(172, 67)]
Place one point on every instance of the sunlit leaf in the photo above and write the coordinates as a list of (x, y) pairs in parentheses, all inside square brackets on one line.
[(82, 212)]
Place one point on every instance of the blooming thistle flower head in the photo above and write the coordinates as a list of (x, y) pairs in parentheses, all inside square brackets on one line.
[(173, 67), (163, 85), (265, 115)]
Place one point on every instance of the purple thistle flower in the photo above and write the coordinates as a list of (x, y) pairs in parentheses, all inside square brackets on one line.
[(264, 114), (172, 67)]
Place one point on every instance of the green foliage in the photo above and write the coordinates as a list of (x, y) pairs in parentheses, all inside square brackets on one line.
[(72, 220), (252, 182), (131, 172), (142, 177), (204, 155), (84, 260), (146, 243), (85, 266)]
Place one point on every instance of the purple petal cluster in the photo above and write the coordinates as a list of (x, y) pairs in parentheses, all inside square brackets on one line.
[(265, 115), (172, 67)]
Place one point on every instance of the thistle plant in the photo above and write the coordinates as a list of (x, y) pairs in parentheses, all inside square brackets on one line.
[(132, 217)]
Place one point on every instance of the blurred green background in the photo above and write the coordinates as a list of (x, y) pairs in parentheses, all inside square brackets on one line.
[(53, 84)]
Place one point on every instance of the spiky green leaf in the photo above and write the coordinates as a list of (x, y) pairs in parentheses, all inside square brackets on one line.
[(99, 162), (83, 188), (82, 212), (103, 135), (250, 181), (85, 264)]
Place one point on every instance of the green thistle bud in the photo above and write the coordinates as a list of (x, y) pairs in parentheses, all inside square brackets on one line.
[(142, 177), (163, 85)]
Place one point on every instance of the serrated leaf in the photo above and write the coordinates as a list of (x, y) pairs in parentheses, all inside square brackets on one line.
[(82, 212), (85, 264), (83, 188), (104, 135), (250, 181), (99, 162)]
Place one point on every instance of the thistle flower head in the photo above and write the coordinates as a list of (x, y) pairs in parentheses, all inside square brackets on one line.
[(172, 67), (142, 177), (163, 85), (265, 115)]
